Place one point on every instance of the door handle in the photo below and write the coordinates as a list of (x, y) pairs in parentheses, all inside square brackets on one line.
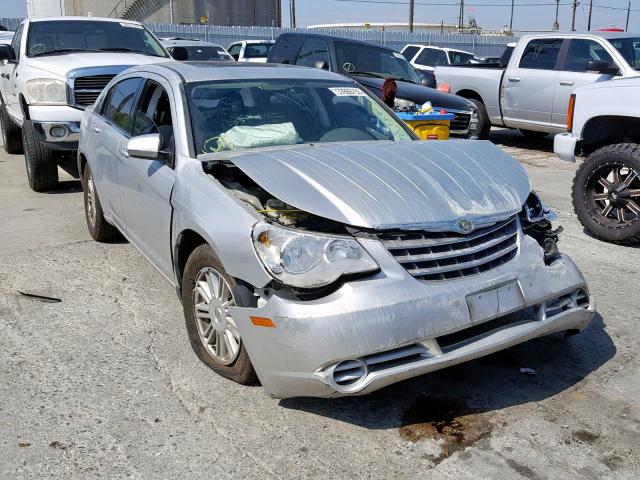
[(123, 152), (566, 82), (96, 129), (514, 79), (4, 75)]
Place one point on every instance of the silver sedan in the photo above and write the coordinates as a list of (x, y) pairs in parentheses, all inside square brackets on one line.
[(314, 243)]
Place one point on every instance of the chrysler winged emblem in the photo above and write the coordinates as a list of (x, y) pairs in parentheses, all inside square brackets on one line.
[(465, 225)]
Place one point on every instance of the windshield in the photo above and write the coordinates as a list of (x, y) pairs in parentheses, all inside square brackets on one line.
[(629, 48), (358, 58), (459, 58), (204, 53), (50, 37), (262, 113)]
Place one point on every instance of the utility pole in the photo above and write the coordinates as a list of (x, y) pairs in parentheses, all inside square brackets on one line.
[(292, 12), (573, 17), (171, 11), (590, 9), (511, 20), (556, 25), (626, 28), (461, 17), (411, 2)]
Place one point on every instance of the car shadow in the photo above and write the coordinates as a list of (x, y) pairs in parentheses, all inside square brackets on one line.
[(552, 365), (513, 138), (66, 186)]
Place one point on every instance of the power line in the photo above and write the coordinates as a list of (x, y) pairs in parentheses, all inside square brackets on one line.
[(477, 5)]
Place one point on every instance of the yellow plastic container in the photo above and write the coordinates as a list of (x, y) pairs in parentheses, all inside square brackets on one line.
[(431, 126)]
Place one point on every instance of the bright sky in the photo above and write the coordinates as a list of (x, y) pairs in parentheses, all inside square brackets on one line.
[(529, 14)]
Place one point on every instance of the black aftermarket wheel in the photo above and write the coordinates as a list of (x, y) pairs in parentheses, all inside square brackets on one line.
[(42, 169), (606, 193)]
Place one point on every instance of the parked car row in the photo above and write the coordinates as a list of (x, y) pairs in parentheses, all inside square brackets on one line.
[(314, 242)]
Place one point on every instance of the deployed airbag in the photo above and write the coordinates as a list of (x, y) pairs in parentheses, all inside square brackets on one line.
[(242, 137)]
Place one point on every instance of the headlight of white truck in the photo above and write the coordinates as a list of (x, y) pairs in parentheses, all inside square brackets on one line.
[(308, 260), (46, 91)]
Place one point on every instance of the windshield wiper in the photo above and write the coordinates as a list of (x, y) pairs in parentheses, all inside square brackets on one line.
[(377, 75), (64, 50), (125, 49)]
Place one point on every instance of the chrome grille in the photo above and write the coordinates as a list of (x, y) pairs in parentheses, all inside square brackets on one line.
[(441, 256), (87, 89), (460, 122)]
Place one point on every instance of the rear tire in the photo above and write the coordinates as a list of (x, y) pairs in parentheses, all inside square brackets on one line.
[(99, 229), (234, 365), (11, 134), (484, 124), (533, 134), (606, 206), (42, 169)]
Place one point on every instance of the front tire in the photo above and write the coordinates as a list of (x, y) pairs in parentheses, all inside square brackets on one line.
[(99, 229), (11, 134), (606, 193), (42, 169), (484, 124), (207, 292)]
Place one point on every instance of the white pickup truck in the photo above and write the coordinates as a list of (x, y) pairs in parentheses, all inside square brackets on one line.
[(532, 91), (603, 122), (52, 70)]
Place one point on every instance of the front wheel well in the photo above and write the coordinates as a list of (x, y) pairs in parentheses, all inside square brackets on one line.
[(470, 94), (187, 242), (608, 130)]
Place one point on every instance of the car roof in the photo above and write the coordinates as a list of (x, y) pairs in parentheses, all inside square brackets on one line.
[(96, 19), (334, 38), (605, 35), (184, 42), (214, 71)]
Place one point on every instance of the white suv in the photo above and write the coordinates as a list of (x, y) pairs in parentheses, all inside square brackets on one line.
[(255, 51)]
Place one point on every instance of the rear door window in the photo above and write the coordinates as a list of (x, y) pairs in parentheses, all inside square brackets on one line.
[(119, 103), (432, 57), (410, 52), (313, 51), (541, 54)]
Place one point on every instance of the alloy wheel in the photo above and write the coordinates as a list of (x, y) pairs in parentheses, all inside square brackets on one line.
[(91, 201), (212, 298), (613, 194)]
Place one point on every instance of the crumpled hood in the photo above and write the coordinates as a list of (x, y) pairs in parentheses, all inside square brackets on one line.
[(383, 185), (61, 64)]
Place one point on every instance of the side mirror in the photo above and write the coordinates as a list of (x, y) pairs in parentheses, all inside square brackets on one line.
[(601, 66), (7, 53), (180, 54), (236, 56), (321, 65), (145, 146)]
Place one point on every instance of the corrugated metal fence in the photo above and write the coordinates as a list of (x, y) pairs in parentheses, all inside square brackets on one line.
[(483, 45)]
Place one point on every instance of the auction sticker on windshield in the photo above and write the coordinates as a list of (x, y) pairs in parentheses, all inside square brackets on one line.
[(347, 92)]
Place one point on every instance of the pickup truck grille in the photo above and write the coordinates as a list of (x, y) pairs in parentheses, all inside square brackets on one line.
[(87, 89), (441, 256), (460, 123)]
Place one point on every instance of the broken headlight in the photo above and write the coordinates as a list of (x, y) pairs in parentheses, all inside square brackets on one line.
[(536, 222), (308, 260), (535, 210)]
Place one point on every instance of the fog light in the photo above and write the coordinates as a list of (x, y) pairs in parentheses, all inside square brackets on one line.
[(58, 131)]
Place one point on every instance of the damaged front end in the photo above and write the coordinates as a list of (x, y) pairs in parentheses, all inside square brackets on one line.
[(366, 290)]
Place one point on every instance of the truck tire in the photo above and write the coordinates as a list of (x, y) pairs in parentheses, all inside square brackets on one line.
[(11, 135), (606, 193), (42, 169), (532, 134), (99, 229), (484, 124), (212, 332)]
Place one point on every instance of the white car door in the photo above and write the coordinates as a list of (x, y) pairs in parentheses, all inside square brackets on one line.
[(576, 73), (528, 88), (145, 185), (10, 80)]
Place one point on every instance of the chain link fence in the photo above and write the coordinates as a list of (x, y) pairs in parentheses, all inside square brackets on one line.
[(482, 45)]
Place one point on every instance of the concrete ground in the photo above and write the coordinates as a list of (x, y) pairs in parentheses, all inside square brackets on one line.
[(104, 383)]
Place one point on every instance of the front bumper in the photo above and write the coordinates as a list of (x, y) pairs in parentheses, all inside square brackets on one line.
[(59, 135), (564, 145), (391, 327)]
